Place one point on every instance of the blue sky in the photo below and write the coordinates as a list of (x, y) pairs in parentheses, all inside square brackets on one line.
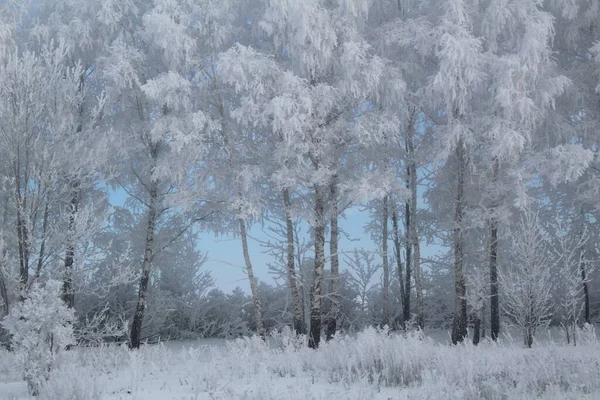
[(225, 258), (226, 261)]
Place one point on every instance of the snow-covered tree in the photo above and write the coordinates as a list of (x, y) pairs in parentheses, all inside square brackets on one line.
[(527, 281), (41, 326)]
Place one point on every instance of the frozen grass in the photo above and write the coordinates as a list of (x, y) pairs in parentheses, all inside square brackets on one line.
[(370, 365)]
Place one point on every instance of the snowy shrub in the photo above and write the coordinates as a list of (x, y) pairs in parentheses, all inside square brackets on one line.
[(40, 327)]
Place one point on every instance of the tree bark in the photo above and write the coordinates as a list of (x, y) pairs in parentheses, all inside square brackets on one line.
[(253, 284), (298, 322), (138, 317), (23, 238), (40, 264), (494, 299), (586, 291), (68, 294), (408, 250), (3, 291), (459, 325), (477, 327), (414, 235), (317, 288), (335, 264), (397, 247), (386, 266)]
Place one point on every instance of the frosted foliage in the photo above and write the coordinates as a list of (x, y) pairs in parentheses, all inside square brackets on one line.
[(40, 328), (373, 364), (303, 29), (527, 282), (565, 163)]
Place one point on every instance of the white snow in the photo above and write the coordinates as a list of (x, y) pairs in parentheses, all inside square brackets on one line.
[(371, 365)]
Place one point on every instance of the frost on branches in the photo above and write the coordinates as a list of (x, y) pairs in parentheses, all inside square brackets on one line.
[(40, 327), (527, 283)]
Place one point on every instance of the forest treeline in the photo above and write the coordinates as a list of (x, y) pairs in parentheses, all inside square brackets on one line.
[(471, 126)]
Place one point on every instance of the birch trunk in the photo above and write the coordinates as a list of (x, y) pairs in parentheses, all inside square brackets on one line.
[(459, 324), (299, 326), (494, 299), (397, 249), (253, 284), (242, 224), (317, 287), (138, 317), (386, 266), (335, 264), (68, 294), (414, 234)]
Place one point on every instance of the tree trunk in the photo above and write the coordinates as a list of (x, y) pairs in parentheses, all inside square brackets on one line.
[(386, 266), (23, 237), (335, 264), (138, 317), (3, 291), (459, 325), (40, 264), (586, 291), (253, 285), (317, 287), (68, 295), (494, 299), (3, 270), (408, 250), (414, 235), (299, 326), (397, 247), (483, 324), (477, 328)]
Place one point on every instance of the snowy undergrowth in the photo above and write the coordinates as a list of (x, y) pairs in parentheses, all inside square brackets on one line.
[(371, 365)]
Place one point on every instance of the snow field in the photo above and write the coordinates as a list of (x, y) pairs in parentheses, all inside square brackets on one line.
[(371, 365)]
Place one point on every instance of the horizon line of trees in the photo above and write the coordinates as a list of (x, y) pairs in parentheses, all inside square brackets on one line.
[(471, 125)]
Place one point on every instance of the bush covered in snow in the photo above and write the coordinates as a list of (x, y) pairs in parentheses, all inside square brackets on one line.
[(40, 327)]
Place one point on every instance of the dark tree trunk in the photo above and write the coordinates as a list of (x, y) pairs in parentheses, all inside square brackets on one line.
[(298, 322), (408, 250), (138, 317), (586, 291), (494, 299), (40, 264), (477, 329), (335, 264), (3, 291), (459, 324), (386, 266), (317, 288), (584, 280), (23, 237)]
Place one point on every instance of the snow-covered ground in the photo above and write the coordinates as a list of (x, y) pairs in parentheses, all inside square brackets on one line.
[(370, 365)]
